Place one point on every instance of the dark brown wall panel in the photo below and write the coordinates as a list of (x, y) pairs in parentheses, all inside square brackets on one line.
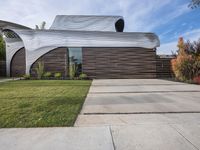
[(163, 68), (2, 68), (18, 64), (119, 62), (54, 61)]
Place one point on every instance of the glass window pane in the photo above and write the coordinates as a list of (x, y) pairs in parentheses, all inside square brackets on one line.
[(75, 60)]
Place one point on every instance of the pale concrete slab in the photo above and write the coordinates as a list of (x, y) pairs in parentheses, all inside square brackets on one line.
[(190, 131), (108, 82), (142, 102), (144, 88), (136, 119), (149, 137), (98, 138), (8, 79)]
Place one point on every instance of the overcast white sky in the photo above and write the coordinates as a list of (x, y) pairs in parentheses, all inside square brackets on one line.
[(169, 19)]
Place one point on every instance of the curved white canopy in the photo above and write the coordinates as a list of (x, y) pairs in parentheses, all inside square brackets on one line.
[(88, 23), (11, 25)]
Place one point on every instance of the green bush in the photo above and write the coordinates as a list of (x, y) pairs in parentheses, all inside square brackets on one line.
[(40, 70), (27, 77), (57, 75), (83, 76), (72, 71), (2, 49), (47, 74)]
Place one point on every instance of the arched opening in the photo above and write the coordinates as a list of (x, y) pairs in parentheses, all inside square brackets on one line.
[(18, 64), (55, 61), (16, 61), (119, 25), (2, 49), (2, 56)]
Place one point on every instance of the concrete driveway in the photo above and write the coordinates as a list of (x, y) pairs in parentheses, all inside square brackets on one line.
[(133, 96), (145, 114)]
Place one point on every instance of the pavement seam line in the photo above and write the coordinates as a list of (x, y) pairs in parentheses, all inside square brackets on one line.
[(114, 146), (184, 137), (175, 112), (85, 100), (193, 91)]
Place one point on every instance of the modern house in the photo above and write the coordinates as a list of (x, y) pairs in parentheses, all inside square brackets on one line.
[(97, 46)]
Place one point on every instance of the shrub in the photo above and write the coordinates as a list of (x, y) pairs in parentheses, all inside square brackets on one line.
[(2, 49), (184, 67), (187, 64), (197, 80), (193, 47), (72, 71), (196, 67), (83, 76), (26, 77), (47, 74), (40, 70), (57, 75)]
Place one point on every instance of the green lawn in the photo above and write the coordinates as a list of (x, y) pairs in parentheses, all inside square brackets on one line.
[(41, 103)]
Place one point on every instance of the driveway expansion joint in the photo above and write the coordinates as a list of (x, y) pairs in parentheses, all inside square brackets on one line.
[(184, 137)]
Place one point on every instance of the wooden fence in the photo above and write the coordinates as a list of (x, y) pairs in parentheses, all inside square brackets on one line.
[(163, 67)]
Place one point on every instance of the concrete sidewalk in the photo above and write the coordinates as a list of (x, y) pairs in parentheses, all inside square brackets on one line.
[(98, 138), (129, 137), (8, 79)]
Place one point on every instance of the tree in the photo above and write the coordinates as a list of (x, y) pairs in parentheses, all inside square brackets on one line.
[(2, 49), (193, 47), (181, 46), (194, 4), (186, 66), (41, 26)]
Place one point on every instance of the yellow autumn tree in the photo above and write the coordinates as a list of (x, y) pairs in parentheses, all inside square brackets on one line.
[(182, 65)]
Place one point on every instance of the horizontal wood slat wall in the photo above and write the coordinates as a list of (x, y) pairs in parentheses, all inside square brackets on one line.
[(2, 68), (18, 64), (119, 62), (163, 68), (54, 61)]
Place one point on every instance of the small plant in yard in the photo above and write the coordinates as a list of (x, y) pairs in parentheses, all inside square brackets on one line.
[(26, 77), (57, 75), (83, 76), (72, 71), (47, 74), (40, 70)]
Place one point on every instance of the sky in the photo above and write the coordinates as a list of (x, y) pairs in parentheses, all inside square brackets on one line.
[(169, 19)]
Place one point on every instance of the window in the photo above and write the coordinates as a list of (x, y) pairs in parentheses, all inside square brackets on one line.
[(75, 61)]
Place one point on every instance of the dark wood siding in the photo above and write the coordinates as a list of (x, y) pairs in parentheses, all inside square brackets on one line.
[(54, 61), (119, 62), (2, 68), (18, 64), (163, 68)]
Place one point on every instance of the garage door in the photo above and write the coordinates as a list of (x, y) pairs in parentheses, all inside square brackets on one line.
[(119, 62)]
